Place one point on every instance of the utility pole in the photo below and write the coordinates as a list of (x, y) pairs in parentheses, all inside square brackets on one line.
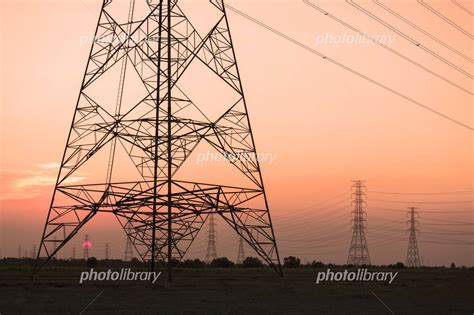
[(211, 252), (74, 253), (359, 251), (413, 254)]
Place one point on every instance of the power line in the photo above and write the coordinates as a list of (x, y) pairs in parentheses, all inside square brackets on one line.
[(424, 202), (451, 233), (443, 211), (320, 212), (462, 7), (386, 8), (424, 211), (451, 221), (317, 8), (333, 61), (444, 18), (422, 193), (455, 224), (446, 243), (408, 38), (311, 206), (306, 227), (320, 217)]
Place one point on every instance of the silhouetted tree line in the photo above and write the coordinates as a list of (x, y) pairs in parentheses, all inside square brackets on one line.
[(221, 262)]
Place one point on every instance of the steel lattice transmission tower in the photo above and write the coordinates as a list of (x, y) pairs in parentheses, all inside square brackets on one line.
[(128, 256), (55, 247), (240, 254), (86, 245), (413, 254), (211, 252), (155, 43), (106, 251), (359, 251)]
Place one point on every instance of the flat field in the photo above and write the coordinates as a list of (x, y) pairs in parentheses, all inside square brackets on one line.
[(238, 291)]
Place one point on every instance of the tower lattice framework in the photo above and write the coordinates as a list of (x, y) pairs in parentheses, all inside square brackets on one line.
[(211, 252), (413, 253), (240, 254), (157, 43), (359, 251), (128, 256)]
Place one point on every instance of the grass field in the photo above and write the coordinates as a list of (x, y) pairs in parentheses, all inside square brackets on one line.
[(238, 291)]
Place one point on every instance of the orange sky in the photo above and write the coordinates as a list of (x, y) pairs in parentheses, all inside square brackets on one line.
[(325, 125)]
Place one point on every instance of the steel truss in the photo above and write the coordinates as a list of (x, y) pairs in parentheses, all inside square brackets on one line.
[(160, 214)]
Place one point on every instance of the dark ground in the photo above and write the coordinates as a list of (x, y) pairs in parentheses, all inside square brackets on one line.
[(239, 291)]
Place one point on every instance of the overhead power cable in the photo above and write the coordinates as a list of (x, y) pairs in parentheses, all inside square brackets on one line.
[(462, 7), (386, 8), (347, 25), (422, 193), (446, 19), (333, 61), (410, 39)]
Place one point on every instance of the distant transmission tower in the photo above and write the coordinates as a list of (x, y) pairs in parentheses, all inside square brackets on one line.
[(413, 254), (74, 253), (55, 247), (128, 243), (358, 251), (33, 252), (106, 251), (240, 254), (86, 246), (19, 251), (135, 121), (211, 252)]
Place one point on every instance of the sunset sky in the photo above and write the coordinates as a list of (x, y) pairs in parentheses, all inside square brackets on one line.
[(323, 125)]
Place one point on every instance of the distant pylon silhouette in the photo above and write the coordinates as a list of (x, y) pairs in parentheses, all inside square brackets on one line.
[(74, 253), (240, 254), (128, 256), (358, 251), (107, 251), (55, 247), (86, 246), (33, 252), (135, 121), (211, 252), (413, 254)]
